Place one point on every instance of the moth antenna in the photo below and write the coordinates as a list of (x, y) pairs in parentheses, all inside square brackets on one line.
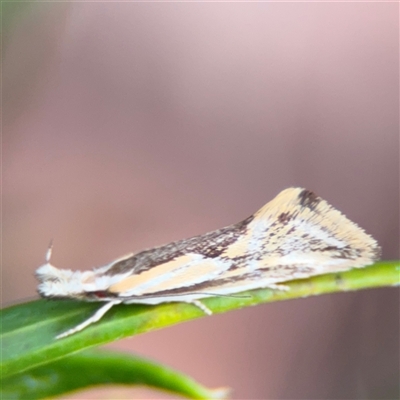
[(234, 296), (49, 251)]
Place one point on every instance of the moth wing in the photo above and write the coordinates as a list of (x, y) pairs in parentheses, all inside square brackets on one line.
[(181, 272), (297, 235)]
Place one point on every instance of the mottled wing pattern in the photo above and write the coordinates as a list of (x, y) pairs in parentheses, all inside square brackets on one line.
[(295, 235)]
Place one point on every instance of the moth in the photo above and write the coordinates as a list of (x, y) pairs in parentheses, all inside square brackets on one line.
[(296, 235)]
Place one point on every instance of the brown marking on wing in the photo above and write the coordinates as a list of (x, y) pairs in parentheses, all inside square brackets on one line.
[(309, 199), (209, 245)]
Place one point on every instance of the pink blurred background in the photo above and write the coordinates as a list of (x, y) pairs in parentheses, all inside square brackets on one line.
[(129, 125)]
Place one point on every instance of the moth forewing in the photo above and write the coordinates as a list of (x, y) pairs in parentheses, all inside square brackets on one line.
[(296, 235), (182, 271)]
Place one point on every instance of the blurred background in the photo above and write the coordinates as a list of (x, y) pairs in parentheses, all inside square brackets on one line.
[(130, 125)]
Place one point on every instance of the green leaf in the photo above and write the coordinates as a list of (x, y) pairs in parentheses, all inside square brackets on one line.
[(92, 368), (29, 330)]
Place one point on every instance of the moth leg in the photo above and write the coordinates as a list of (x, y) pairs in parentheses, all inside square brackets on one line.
[(202, 307), (94, 318)]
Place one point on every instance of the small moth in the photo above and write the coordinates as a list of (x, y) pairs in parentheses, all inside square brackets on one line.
[(296, 235)]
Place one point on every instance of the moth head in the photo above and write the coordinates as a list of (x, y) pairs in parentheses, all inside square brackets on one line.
[(55, 282), (64, 283)]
